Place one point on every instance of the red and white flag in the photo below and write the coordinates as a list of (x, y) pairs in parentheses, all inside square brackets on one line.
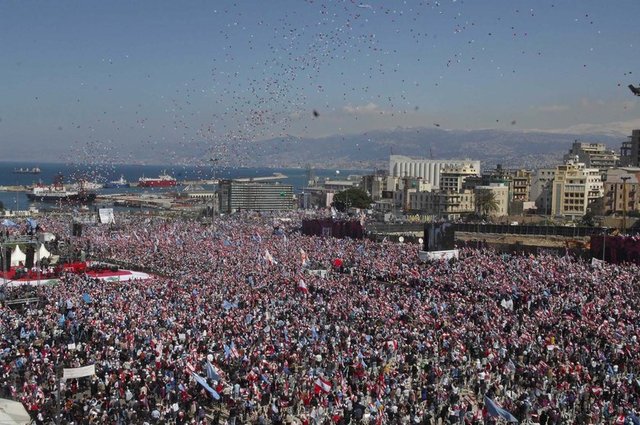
[(322, 385), (269, 257), (302, 286), (304, 258)]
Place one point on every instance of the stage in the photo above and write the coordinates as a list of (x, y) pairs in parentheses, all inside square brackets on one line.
[(106, 272)]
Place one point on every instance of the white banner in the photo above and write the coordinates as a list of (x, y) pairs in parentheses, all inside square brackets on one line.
[(437, 255), (79, 372), (106, 216)]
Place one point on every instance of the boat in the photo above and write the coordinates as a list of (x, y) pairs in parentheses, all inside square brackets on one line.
[(34, 170), (58, 193), (85, 185), (163, 180), (116, 184)]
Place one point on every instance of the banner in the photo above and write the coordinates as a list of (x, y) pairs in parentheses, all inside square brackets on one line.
[(106, 216), (79, 372), (437, 255)]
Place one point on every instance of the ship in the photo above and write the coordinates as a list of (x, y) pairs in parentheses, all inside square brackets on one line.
[(34, 170), (85, 185), (117, 184), (163, 180), (58, 193)]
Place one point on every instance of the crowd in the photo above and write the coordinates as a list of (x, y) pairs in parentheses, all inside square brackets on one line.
[(379, 338)]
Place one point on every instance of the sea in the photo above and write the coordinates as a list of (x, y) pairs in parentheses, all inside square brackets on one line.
[(297, 177)]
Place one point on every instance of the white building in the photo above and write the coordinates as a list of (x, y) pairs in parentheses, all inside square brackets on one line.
[(428, 169), (575, 188), (501, 195)]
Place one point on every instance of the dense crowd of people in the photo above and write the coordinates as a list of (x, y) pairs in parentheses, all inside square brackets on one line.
[(239, 306)]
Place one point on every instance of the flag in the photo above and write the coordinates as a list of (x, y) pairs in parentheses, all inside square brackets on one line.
[(86, 298), (634, 418), (361, 357), (229, 305), (494, 410), (212, 372), (269, 257), (304, 258), (322, 385), (302, 286), (200, 380)]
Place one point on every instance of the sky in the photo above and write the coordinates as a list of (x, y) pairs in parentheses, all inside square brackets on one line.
[(124, 81)]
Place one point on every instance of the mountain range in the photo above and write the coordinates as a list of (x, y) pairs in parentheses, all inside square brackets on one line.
[(512, 149)]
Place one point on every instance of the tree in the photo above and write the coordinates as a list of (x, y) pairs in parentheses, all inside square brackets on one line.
[(351, 198), (486, 202), (1, 206)]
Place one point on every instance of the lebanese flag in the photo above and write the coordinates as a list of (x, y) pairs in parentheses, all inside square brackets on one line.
[(392, 345), (304, 258), (322, 385), (302, 286)]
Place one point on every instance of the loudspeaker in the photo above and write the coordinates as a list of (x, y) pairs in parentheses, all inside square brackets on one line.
[(6, 258), (76, 229), (425, 238), (30, 253)]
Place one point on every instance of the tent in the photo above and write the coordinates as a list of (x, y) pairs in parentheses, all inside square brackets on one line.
[(13, 413), (17, 256), (42, 253)]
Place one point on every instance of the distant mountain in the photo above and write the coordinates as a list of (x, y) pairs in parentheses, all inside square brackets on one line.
[(526, 149)]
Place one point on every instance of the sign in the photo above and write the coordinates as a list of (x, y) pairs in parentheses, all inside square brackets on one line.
[(438, 255), (106, 216), (79, 372)]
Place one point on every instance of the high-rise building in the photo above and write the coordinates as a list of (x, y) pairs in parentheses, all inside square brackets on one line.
[(541, 188), (621, 186), (236, 196), (575, 188), (630, 151), (593, 155), (428, 169)]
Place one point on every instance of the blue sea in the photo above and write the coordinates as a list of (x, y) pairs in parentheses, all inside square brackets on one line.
[(297, 177)]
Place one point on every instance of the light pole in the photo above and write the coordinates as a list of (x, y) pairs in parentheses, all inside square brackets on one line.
[(624, 203), (604, 241)]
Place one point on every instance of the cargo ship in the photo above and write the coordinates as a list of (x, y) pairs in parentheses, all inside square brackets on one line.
[(117, 184), (34, 170), (58, 193), (164, 180)]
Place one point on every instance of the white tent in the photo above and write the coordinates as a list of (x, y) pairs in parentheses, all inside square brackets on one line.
[(17, 256), (13, 413), (42, 253)]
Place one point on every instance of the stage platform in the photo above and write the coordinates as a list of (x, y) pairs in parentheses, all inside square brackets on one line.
[(106, 273)]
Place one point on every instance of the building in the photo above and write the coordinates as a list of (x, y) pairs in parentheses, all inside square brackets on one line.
[(541, 188), (575, 188), (517, 181), (441, 204), (621, 186), (630, 151), (376, 185), (521, 186), (236, 196), (500, 193), (452, 177), (428, 169), (593, 155)]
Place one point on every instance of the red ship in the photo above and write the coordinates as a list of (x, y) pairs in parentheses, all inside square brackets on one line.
[(163, 180)]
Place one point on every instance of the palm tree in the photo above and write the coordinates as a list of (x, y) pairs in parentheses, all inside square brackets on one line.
[(486, 202)]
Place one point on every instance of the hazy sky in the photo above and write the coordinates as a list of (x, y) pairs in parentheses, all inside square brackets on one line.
[(117, 79)]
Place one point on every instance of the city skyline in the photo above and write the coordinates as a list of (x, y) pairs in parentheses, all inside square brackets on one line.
[(107, 82)]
